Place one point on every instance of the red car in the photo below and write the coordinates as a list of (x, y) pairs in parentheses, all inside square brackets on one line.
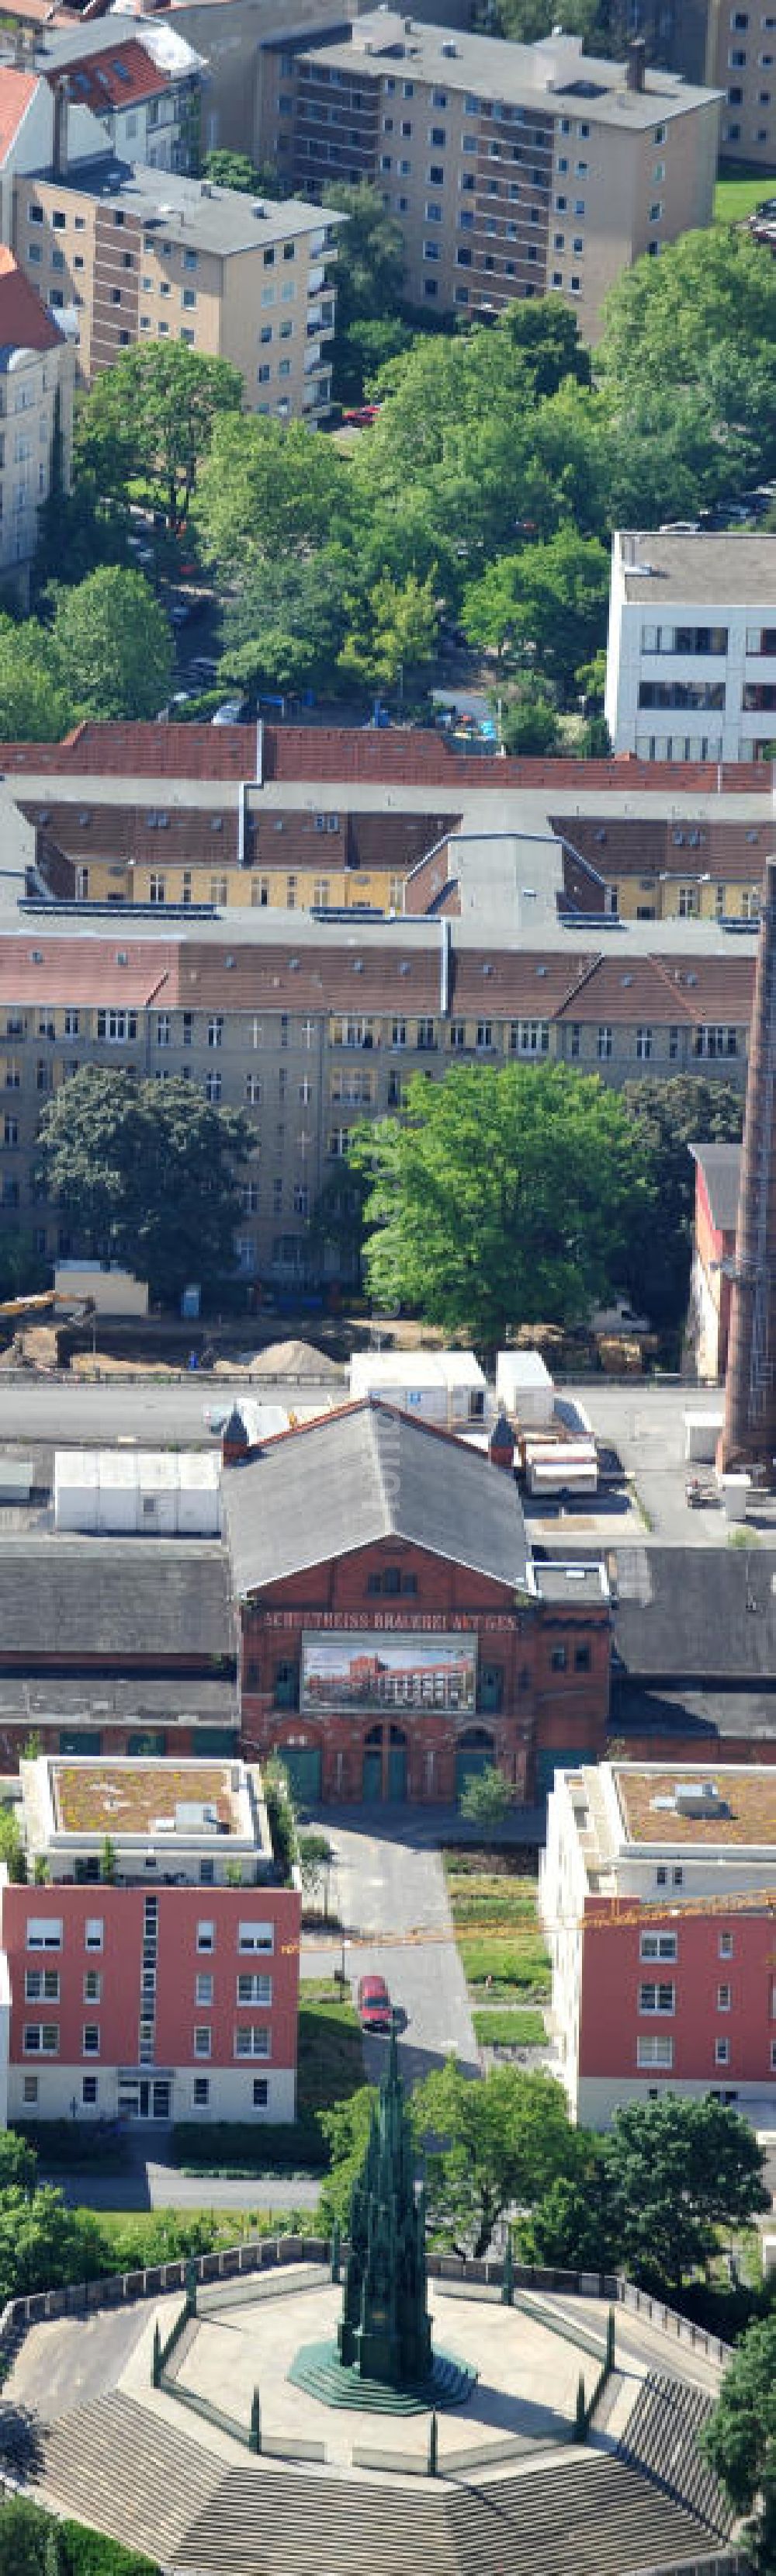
[(362, 417), (374, 2004)]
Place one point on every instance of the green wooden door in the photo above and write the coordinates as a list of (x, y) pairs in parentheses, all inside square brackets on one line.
[(303, 1764), (372, 1775), (397, 1772), (470, 1762)]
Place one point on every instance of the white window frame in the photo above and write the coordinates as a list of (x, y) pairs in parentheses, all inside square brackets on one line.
[(43, 1932), (722, 2052), (41, 1986), (655, 2053), (724, 1999), (259, 1987), (203, 2039), (725, 1945), (35, 2033), (256, 1936), (662, 1990), (204, 1989), (94, 1932), (253, 2039), (658, 1945), (90, 2039)]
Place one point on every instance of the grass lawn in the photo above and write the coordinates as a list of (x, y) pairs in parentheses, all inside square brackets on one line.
[(737, 193), (509, 2029), (494, 1914), (331, 2060)]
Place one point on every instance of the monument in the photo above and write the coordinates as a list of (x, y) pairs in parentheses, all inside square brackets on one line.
[(383, 2356)]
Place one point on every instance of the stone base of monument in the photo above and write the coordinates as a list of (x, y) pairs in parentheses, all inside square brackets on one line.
[(317, 2369)]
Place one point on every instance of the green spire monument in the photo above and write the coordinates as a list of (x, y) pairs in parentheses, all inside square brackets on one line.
[(385, 2331), (383, 2358)]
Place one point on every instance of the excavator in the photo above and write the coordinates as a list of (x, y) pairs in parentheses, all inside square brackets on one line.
[(27, 1310)]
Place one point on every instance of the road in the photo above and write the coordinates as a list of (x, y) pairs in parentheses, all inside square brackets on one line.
[(69, 1409), (389, 1879), (146, 2182)]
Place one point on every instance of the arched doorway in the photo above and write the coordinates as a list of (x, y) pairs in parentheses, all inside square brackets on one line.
[(475, 1752), (372, 1766)]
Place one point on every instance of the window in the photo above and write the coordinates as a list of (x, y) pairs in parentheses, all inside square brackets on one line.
[(89, 2091), (30, 2088), (726, 1945), (206, 1936), (581, 1659), (252, 2039), (204, 1994), (202, 2040), (41, 1986), (260, 2092), (426, 1035), (41, 2039), (254, 1989), (255, 1936), (484, 1035), (44, 1932), (657, 1998), (643, 1044), (657, 1945), (201, 2092), (723, 1998), (91, 2039), (655, 2052), (92, 1986), (604, 1043), (213, 1088), (529, 1037), (558, 1659), (722, 2052), (116, 1025), (188, 299)]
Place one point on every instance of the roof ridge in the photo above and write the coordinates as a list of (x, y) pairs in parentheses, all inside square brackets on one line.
[(375, 1413)]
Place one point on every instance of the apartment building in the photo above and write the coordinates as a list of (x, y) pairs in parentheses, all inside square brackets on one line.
[(150, 1969), (513, 169), (313, 1027), (691, 651), (132, 256), (657, 1892), (37, 375), (214, 846), (733, 49)]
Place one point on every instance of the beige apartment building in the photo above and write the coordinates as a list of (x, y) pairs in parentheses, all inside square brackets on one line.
[(733, 50), (310, 1028), (133, 255), (514, 170)]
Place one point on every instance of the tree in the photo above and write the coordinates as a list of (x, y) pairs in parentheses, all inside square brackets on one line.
[(395, 632), (546, 333), (25, 2534), (267, 491), (369, 276), (315, 1856), (22, 1269), (500, 1196), (12, 1850), (490, 2147), (553, 596), (740, 2439), (35, 704), (112, 644), (688, 344), (236, 170), (147, 1172), (670, 1117), (572, 2227), (286, 626), (679, 2169), (152, 415), (346, 2127), (488, 1797), (529, 723)]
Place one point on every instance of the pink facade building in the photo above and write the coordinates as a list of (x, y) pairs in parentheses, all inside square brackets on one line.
[(155, 1974), (658, 1896)]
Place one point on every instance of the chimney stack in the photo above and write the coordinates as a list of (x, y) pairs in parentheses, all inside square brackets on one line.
[(59, 145), (501, 1449), (636, 64), (749, 1430)]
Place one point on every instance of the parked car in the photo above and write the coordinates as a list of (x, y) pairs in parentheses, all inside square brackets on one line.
[(362, 416), (375, 2010), (233, 712)]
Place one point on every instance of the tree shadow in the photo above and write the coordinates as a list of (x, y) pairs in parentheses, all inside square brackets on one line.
[(21, 2445)]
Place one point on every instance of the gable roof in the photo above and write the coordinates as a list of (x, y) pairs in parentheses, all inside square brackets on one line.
[(123, 75), (695, 1614), (24, 323), (368, 1473), (17, 91)]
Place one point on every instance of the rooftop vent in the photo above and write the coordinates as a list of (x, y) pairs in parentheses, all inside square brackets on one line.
[(293, 965), (541, 970), (699, 1798), (404, 967), (626, 980), (229, 961), (36, 956), (358, 965)]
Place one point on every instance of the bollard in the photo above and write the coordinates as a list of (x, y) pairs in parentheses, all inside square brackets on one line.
[(508, 2274), (156, 2364), (335, 2251), (580, 2416), (610, 2340), (254, 2437), (190, 2282), (433, 2446)]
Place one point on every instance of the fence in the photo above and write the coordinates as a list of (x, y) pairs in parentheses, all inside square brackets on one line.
[(669, 2322)]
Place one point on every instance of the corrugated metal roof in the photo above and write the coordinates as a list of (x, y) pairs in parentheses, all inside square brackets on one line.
[(365, 1474)]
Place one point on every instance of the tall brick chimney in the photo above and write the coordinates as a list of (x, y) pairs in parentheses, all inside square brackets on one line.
[(749, 1431)]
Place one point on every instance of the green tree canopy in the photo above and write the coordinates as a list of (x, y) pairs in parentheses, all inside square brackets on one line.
[(740, 2440), (147, 1171), (266, 491), (489, 2146), (394, 630), (152, 416), (670, 1117), (112, 645), (369, 277), (679, 2169), (553, 596), (286, 625), (530, 726), (488, 1797), (35, 706), (693, 335), (236, 170), (26, 2539), (500, 1196), (546, 333)]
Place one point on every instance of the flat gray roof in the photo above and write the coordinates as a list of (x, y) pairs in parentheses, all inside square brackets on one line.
[(193, 210), (707, 571), (547, 78)]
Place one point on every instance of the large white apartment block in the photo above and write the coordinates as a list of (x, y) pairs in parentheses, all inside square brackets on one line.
[(691, 652)]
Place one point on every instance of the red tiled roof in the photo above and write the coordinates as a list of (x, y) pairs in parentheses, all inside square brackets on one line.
[(95, 82), (23, 322), (56, 971), (343, 756), (17, 89), (663, 991)]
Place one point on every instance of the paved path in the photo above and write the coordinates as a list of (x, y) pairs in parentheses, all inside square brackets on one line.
[(148, 2183), (389, 1879), (65, 1408)]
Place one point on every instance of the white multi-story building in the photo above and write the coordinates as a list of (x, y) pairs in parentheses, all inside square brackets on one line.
[(37, 375), (691, 654)]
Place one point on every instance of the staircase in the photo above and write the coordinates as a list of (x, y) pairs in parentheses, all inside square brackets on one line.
[(128, 2471), (662, 2441)]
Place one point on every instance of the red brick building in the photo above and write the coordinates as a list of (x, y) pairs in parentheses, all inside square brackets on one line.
[(396, 1635), (717, 1177)]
